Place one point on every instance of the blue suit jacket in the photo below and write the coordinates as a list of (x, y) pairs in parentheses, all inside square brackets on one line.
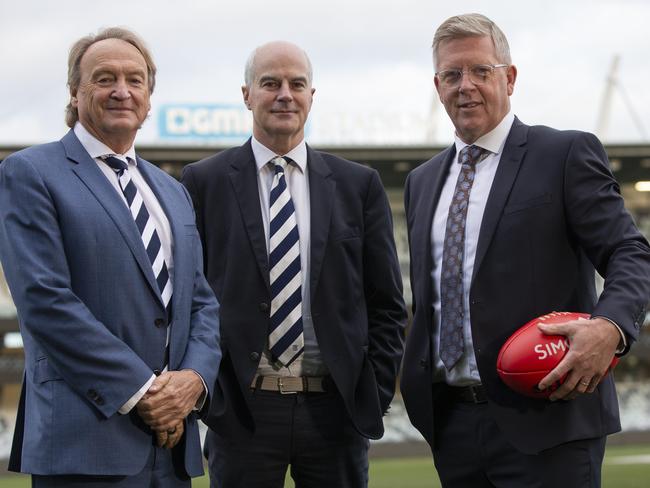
[(91, 316), (554, 213)]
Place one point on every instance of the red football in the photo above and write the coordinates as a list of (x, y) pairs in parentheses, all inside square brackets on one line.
[(528, 355)]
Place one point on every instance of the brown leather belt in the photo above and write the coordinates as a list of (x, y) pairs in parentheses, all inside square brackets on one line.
[(289, 384)]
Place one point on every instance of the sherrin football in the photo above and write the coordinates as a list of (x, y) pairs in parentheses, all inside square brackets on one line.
[(529, 355)]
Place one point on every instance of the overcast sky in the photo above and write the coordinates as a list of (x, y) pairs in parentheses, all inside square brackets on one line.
[(372, 61)]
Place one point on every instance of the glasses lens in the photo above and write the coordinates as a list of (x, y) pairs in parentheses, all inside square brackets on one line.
[(480, 73), (450, 77)]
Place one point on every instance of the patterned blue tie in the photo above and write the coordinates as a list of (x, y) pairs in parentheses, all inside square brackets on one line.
[(286, 341), (452, 343), (149, 235)]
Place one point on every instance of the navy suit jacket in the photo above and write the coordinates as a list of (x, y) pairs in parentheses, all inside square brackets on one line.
[(355, 283), (554, 213), (90, 313)]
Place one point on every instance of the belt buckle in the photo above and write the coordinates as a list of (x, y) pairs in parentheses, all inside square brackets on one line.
[(281, 388)]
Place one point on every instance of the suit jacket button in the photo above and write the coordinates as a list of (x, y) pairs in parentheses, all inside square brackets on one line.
[(92, 394), (255, 356), (159, 322), (264, 307), (157, 372), (423, 363)]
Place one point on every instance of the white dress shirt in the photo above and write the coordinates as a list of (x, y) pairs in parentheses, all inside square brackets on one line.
[(97, 149), (310, 362), (465, 372)]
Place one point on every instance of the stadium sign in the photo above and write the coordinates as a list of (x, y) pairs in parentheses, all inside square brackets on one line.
[(219, 122)]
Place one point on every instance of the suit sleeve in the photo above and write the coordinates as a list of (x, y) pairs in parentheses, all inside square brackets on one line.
[(606, 231), (88, 357), (203, 352), (407, 201), (383, 292)]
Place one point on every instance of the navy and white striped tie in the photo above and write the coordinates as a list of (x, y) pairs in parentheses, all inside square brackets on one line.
[(149, 235), (286, 341)]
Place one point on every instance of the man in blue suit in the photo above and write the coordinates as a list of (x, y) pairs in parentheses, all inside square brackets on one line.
[(505, 225), (104, 263)]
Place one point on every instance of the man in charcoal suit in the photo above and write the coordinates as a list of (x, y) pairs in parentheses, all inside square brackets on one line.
[(299, 251)]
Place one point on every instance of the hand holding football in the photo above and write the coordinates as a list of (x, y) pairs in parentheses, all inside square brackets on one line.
[(529, 355)]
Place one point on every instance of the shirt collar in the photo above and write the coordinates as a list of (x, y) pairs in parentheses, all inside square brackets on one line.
[(263, 154), (97, 148), (494, 140)]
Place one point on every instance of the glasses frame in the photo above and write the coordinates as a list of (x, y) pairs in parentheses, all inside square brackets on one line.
[(469, 73)]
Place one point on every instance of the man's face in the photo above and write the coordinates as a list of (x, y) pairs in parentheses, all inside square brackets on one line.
[(113, 94), (280, 95), (474, 109)]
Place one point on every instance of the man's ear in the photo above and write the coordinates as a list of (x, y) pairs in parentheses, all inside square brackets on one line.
[(512, 77), (245, 92)]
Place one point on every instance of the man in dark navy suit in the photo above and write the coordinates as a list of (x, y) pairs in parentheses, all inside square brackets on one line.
[(506, 225)]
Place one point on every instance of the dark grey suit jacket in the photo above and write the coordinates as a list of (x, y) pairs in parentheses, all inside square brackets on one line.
[(355, 283)]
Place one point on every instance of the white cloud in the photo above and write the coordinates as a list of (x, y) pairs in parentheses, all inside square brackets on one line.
[(370, 57)]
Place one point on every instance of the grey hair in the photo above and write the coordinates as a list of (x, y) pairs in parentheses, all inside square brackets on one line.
[(472, 25), (249, 70), (80, 47)]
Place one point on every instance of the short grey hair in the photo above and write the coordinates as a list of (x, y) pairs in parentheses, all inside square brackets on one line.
[(249, 70), (472, 25)]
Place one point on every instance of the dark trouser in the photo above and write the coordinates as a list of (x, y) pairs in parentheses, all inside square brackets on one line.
[(470, 451), (310, 432), (162, 470)]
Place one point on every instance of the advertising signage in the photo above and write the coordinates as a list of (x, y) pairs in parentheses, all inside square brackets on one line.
[(216, 122)]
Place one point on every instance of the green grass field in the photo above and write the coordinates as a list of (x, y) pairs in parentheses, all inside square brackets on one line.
[(625, 467)]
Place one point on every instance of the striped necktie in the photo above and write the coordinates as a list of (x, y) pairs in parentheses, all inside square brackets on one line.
[(286, 341), (452, 342), (149, 236)]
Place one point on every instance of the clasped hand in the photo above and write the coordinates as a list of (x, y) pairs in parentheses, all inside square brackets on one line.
[(170, 399)]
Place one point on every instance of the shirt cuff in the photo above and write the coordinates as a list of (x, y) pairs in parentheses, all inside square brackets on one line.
[(622, 344), (201, 401), (131, 402)]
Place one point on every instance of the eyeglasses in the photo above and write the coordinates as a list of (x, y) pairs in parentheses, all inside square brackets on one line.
[(479, 74)]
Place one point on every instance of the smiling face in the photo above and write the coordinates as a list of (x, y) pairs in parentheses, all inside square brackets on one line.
[(280, 96), (113, 94), (474, 109)]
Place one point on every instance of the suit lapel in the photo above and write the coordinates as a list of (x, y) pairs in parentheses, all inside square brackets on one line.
[(89, 173), (321, 199), (244, 181), (513, 154), (427, 205)]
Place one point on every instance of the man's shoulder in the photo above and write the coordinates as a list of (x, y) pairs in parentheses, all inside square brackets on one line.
[(546, 133), (433, 163), (152, 169), (39, 152), (338, 165), (220, 160)]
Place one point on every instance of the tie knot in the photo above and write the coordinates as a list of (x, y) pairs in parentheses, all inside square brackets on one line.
[(472, 155), (280, 164), (116, 163)]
